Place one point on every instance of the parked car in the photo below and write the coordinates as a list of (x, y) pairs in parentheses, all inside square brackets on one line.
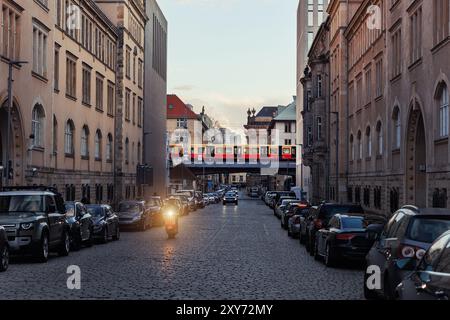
[(133, 214), (190, 198), (268, 197), (154, 204), (345, 238), (230, 197), (431, 278), (199, 201), (276, 197), (34, 220), (294, 222), (4, 250), (106, 222), (254, 193), (81, 225), (288, 212), (184, 201), (320, 217), (281, 205), (408, 234)]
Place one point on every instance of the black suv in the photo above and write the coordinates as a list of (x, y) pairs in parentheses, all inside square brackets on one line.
[(319, 218), (35, 221), (4, 250)]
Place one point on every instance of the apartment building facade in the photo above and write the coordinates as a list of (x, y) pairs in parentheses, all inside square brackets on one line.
[(73, 126), (390, 77)]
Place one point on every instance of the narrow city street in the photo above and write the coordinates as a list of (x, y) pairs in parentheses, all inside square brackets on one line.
[(220, 253)]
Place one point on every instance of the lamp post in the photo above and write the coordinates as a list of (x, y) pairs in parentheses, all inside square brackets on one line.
[(11, 64)]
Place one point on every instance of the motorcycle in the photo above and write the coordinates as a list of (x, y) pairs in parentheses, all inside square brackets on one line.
[(171, 223)]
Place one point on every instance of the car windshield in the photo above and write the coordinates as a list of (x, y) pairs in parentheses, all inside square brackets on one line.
[(70, 209), (427, 229), (10, 205), (229, 194), (352, 223), (95, 211), (129, 207)]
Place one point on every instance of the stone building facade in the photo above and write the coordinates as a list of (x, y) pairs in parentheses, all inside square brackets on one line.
[(390, 64), (73, 125)]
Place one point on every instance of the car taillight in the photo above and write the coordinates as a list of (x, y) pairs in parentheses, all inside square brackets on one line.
[(318, 223), (411, 252), (345, 236)]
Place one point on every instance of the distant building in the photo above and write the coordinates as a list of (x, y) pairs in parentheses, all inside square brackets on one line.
[(285, 125)]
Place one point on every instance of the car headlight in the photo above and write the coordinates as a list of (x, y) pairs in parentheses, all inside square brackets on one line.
[(26, 226)]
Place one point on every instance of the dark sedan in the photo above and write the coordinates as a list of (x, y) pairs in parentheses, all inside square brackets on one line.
[(81, 225), (344, 238), (431, 279), (106, 222), (4, 250), (133, 214)]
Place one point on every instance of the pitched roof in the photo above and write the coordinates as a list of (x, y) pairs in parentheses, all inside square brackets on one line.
[(176, 108), (288, 114), (267, 112)]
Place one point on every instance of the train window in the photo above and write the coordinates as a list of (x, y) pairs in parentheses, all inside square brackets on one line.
[(286, 150), (294, 150)]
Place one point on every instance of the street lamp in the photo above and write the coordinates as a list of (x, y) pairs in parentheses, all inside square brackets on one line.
[(11, 64)]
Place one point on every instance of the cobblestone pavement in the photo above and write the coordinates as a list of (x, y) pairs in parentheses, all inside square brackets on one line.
[(220, 253)]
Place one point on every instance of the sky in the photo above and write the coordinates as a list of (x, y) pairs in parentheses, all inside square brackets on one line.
[(231, 55)]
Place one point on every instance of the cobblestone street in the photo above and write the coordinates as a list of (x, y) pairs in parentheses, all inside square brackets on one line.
[(220, 253)]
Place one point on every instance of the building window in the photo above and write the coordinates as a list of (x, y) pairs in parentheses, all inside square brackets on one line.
[(308, 100), (127, 104), (99, 92), (37, 125), (360, 146), (182, 123), (55, 137), (140, 112), (310, 13), (86, 85), (287, 142), (320, 12), (319, 86), (366, 196), (39, 51), (127, 151), (368, 85), (443, 112), (84, 150), (139, 153), (379, 138), (128, 63), (379, 77), (10, 33), (416, 35), (441, 20), (310, 40), (134, 109), (352, 148), (369, 142), (397, 128), (359, 92), (71, 77), (309, 134), (110, 98), (396, 41), (68, 138), (140, 73), (319, 128), (394, 199), (98, 145), (56, 70), (109, 148)]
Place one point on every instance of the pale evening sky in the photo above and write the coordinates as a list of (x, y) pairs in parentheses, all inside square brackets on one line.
[(230, 55)]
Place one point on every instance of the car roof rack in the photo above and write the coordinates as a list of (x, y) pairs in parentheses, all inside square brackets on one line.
[(30, 188)]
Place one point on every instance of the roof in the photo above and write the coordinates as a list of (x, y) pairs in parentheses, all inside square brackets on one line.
[(287, 114), (267, 112), (176, 108)]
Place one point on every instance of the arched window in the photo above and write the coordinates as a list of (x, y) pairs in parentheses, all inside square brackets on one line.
[(360, 148), (98, 145), (443, 112), (368, 142), (37, 125), (68, 138), (127, 151), (55, 136), (139, 153), (397, 128), (109, 146), (380, 138), (85, 142), (352, 148)]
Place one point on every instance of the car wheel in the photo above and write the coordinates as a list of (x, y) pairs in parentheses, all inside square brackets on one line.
[(116, 236), (369, 294), (41, 253), (4, 259), (329, 258), (104, 235), (64, 247)]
